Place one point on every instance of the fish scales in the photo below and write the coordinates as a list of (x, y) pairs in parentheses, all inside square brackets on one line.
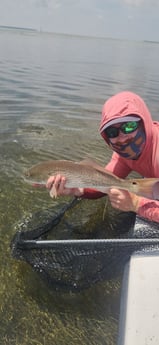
[(80, 175), (89, 174)]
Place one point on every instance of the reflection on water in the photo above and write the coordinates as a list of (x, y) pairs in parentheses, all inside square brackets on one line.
[(52, 89)]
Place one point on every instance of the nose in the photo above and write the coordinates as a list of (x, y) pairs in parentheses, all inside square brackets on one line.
[(120, 138)]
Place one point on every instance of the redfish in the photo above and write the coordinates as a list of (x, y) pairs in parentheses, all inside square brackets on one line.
[(89, 174)]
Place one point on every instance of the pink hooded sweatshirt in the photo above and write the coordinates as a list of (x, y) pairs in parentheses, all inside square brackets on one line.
[(147, 165)]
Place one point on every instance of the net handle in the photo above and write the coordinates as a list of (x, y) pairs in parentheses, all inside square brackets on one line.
[(28, 244)]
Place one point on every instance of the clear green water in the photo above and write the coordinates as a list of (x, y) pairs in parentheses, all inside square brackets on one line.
[(30, 312), (52, 89)]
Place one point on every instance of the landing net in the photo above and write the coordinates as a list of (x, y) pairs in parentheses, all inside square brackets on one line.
[(76, 264)]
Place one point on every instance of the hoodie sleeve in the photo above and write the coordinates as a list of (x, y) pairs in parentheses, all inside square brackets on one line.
[(117, 167), (149, 209), (92, 194)]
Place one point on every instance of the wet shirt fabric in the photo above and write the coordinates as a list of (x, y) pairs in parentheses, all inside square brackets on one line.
[(147, 164)]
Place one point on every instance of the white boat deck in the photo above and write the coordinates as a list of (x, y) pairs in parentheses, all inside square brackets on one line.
[(139, 311)]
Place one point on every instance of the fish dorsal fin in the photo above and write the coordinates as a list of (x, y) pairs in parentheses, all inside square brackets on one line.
[(92, 163)]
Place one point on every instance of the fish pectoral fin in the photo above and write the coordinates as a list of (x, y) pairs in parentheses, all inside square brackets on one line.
[(147, 187), (155, 191)]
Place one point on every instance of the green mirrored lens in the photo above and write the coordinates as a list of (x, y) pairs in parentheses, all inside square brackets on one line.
[(126, 128), (129, 127)]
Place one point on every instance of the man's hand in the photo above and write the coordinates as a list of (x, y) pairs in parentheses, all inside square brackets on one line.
[(56, 186), (123, 200)]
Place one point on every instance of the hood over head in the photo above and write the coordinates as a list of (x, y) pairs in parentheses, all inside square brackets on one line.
[(120, 120), (123, 104)]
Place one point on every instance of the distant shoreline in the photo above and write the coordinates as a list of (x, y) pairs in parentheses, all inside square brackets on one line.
[(16, 28), (146, 41)]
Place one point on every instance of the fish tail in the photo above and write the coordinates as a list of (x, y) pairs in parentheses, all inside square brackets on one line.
[(147, 187)]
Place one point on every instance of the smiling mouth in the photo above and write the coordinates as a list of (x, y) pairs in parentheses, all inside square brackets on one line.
[(118, 145)]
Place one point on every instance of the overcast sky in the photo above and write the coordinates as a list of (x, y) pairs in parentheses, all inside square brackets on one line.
[(128, 19)]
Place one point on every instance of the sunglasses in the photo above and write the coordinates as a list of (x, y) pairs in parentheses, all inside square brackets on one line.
[(125, 127)]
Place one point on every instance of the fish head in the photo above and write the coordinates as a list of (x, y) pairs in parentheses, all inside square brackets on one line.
[(37, 174)]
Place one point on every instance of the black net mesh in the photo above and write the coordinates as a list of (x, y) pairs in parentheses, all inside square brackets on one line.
[(75, 264)]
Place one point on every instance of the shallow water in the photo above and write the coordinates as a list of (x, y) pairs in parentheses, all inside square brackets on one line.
[(52, 88)]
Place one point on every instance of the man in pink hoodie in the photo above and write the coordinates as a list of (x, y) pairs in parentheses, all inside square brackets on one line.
[(127, 127)]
